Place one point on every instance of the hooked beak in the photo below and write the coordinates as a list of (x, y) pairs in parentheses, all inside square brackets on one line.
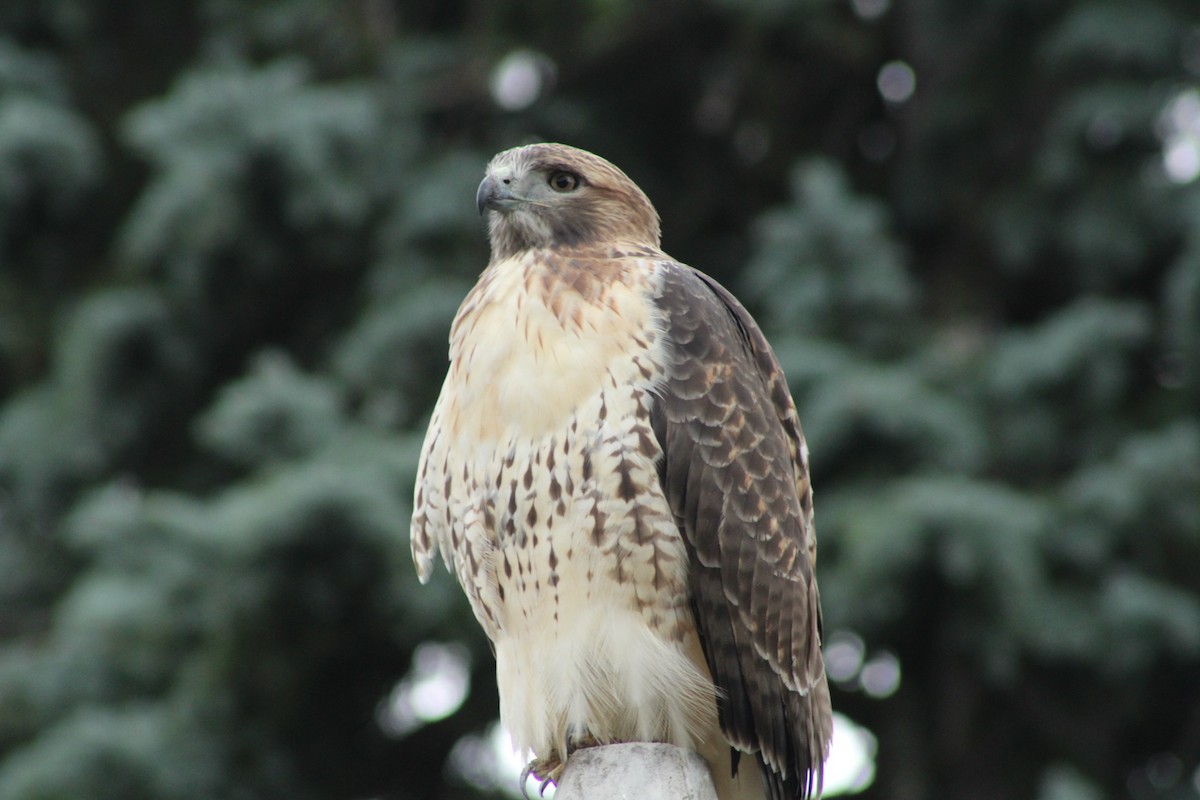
[(494, 194)]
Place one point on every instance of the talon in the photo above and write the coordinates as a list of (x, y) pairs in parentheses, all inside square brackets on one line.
[(550, 768), (525, 773)]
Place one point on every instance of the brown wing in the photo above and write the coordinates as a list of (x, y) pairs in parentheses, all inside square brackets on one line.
[(736, 476)]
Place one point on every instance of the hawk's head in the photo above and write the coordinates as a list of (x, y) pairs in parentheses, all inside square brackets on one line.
[(552, 195)]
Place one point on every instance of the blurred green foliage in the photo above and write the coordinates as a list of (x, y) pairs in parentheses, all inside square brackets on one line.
[(233, 234)]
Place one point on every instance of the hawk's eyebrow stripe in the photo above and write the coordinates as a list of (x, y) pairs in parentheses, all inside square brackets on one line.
[(558, 166)]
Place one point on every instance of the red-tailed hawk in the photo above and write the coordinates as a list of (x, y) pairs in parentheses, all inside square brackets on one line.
[(616, 472)]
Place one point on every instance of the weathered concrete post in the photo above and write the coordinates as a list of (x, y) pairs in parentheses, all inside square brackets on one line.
[(635, 771)]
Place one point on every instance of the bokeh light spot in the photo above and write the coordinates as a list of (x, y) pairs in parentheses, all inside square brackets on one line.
[(844, 656), (880, 676), (520, 79), (435, 687), (897, 82), (870, 9), (1179, 129), (851, 764), (489, 762)]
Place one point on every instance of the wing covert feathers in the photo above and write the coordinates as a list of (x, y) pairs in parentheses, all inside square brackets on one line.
[(735, 473)]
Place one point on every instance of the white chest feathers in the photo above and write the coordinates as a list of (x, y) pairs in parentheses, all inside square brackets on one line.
[(531, 344), (539, 483)]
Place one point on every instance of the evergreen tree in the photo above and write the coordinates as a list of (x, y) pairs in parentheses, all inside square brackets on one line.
[(233, 235)]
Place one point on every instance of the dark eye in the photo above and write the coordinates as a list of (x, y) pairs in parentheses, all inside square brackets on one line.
[(563, 181)]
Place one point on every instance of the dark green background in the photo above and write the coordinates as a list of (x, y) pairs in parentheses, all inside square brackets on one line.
[(233, 235)]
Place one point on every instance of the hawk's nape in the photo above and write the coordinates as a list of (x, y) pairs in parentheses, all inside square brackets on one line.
[(615, 472)]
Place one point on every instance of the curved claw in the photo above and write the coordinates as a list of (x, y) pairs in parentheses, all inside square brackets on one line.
[(525, 773), (533, 769)]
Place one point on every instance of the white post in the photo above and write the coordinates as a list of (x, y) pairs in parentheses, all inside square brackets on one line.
[(635, 771)]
